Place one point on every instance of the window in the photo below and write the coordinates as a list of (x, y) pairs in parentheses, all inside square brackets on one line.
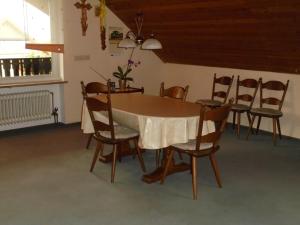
[(26, 21)]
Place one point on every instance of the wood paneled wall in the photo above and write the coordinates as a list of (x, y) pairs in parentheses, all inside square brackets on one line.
[(247, 34)]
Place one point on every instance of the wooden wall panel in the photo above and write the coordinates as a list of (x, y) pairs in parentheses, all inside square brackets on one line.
[(246, 34)]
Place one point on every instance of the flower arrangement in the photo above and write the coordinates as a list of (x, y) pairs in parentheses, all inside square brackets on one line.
[(122, 73)]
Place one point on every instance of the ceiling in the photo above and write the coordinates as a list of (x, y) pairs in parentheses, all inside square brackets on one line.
[(247, 34)]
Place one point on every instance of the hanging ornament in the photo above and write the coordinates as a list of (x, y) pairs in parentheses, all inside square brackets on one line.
[(102, 16)]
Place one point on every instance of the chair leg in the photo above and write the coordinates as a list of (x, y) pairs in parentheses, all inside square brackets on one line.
[(99, 149), (194, 177), (238, 124), (89, 141), (250, 126), (258, 124), (279, 129), (134, 151), (119, 147), (169, 156), (138, 150), (214, 165), (157, 157), (113, 167), (180, 155), (274, 131), (249, 120), (233, 120)]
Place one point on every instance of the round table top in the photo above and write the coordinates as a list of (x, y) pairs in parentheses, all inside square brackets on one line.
[(148, 105)]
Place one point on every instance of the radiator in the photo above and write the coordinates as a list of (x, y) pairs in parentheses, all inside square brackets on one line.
[(26, 106)]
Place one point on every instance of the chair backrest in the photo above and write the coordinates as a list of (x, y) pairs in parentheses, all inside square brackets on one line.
[(95, 105), (273, 85), (94, 88), (219, 117), (247, 83), (174, 92), (225, 81)]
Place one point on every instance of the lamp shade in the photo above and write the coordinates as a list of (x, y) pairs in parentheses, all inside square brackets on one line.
[(127, 43), (151, 44)]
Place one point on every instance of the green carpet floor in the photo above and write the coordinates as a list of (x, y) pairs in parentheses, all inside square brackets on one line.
[(44, 180)]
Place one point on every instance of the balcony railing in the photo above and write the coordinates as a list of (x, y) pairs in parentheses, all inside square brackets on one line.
[(19, 67)]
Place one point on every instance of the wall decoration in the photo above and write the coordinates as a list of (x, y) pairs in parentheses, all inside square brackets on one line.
[(100, 11), (84, 6), (102, 23), (115, 36)]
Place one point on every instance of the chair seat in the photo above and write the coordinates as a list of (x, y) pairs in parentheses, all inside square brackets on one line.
[(266, 112), (209, 102), (191, 145), (240, 107), (121, 132)]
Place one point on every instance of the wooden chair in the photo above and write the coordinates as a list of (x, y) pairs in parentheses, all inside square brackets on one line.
[(203, 145), (239, 108), (92, 88), (274, 113), (174, 92), (225, 81), (110, 134)]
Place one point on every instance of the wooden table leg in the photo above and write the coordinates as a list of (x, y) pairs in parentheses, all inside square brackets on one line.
[(157, 173)]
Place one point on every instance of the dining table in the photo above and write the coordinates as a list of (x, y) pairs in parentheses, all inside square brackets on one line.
[(160, 121)]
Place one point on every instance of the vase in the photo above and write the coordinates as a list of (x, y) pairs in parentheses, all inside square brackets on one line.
[(122, 84)]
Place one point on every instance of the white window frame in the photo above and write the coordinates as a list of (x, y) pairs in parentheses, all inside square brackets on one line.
[(56, 15)]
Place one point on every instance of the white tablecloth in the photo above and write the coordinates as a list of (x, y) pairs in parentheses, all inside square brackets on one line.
[(155, 132)]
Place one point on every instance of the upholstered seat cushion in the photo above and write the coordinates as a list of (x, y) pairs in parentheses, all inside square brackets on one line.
[(208, 102), (191, 145), (266, 111), (121, 132), (240, 107)]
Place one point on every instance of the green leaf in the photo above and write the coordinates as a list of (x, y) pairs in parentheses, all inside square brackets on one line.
[(127, 72), (117, 75), (120, 69), (129, 78)]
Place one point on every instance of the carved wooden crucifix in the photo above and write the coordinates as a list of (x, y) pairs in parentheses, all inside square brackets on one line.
[(84, 8)]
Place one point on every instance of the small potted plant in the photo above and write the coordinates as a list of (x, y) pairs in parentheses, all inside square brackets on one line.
[(122, 73), (122, 76)]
